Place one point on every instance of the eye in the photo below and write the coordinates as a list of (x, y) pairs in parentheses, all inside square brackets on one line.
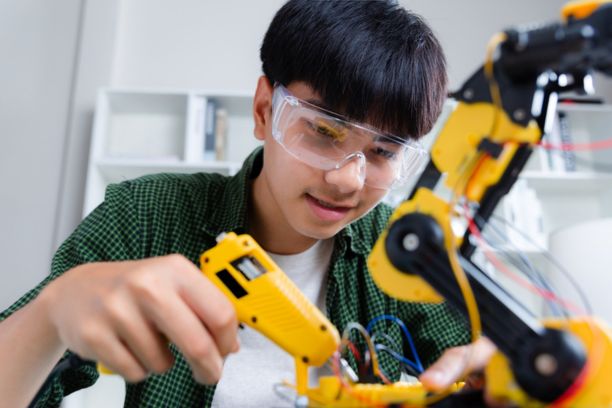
[(328, 130), (384, 153)]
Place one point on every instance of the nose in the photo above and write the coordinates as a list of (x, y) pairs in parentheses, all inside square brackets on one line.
[(349, 175)]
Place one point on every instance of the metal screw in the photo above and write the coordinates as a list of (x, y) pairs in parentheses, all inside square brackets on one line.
[(468, 94), (546, 364), (411, 242), (519, 114)]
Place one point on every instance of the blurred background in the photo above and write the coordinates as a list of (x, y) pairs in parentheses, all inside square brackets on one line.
[(55, 55)]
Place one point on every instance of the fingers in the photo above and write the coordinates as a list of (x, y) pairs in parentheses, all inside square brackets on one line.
[(215, 310), (131, 310), (114, 355), (456, 362), (444, 372), (208, 303), (177, 300), (190, 335), (145, 342)]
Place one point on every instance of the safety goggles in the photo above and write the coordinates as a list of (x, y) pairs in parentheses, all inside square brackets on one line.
[(327, 141)]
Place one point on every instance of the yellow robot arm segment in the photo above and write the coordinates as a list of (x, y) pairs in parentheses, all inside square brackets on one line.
[(456, 150), (402, 285)]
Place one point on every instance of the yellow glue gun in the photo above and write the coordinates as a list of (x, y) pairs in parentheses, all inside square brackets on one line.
[(267, 300)]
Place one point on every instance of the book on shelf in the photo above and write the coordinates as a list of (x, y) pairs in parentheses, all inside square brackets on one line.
[(209, 130), (194, 145), (565, 137), (556, 158), (220, 134)]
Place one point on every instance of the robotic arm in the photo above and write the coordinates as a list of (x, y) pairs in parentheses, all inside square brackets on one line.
[(503, 110)]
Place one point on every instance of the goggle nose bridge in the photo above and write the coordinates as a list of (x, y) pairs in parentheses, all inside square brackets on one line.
[(362, 163), (359, 155)]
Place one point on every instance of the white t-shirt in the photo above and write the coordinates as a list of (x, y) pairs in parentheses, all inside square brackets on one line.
[(249, 376)]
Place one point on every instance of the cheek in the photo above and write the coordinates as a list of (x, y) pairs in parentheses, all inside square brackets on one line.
[(287, 175), (371, 197)]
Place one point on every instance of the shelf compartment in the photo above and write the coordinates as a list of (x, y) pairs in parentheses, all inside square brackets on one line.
[(144, 125)]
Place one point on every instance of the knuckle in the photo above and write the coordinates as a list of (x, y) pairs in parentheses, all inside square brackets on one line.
[(145, 286), (90, 334), (161, 362), (225, 319), (132, 373), (455, 352), (177, 261), (114, 309), (208, 374), (199, 351)]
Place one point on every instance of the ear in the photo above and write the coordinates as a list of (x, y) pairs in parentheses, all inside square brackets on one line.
[(262, 107)]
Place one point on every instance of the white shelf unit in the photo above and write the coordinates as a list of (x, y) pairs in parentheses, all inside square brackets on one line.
[(146, 131), (585, 194)]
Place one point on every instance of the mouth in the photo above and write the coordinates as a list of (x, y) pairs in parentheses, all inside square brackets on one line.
[(327, 211)]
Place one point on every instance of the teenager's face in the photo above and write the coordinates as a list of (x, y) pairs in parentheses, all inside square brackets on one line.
[(297, 197)]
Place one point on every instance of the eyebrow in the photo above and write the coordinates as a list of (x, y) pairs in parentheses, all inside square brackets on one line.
[(387, 139), (318, 103)]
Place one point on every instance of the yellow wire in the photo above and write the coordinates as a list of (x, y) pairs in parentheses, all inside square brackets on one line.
[(466, 291), (492, 46), (458, 272), (364, 333)]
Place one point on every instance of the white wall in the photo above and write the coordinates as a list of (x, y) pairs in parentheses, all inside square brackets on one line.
[(38, 41), (55, 54), (215, 44), (191, 43)]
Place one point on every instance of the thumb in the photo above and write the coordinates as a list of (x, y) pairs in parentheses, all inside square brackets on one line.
[(447, 370), (456, 362)]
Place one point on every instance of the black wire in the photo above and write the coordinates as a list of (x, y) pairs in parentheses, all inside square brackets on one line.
[(409, 370), (391, 341), (533, 273), (554, 262), (536, 277), (72, 361)]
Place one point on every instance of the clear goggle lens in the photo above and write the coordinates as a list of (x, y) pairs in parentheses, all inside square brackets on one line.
[(324, 140)]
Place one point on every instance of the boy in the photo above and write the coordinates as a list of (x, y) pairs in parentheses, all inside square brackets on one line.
[(347, 87)]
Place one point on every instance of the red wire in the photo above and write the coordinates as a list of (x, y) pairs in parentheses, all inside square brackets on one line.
[(355, 351), (524, 283), (346, 386), (578, 384), (598, 145), (580, 381)]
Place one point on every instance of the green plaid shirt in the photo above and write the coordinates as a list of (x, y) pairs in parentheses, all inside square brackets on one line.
[(163, 214)]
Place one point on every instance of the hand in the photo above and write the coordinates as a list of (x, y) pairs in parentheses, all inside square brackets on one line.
[(456, 362), (123, 314)]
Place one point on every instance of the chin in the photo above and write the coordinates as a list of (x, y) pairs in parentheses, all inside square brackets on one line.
[(321, 232)]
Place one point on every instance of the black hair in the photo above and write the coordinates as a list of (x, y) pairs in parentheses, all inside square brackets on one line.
[(370, 60)]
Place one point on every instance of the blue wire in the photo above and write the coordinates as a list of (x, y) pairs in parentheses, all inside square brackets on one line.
[(398, 356), (417, 362)]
